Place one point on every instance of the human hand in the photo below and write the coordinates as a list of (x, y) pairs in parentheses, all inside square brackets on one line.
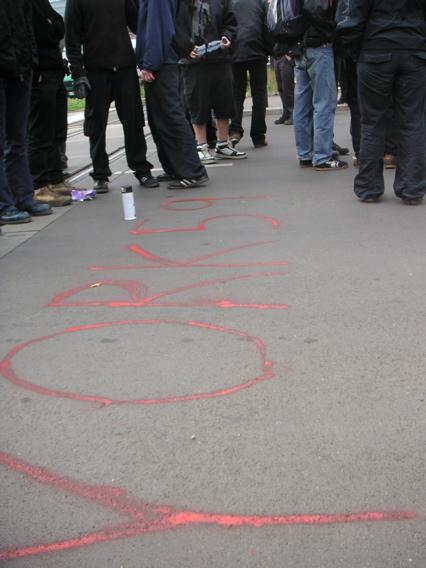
[(81, 87), (147, 76), (194, 54), (225, 43)]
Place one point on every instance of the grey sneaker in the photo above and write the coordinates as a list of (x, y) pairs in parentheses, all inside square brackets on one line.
[(225, 152), (204, 154)]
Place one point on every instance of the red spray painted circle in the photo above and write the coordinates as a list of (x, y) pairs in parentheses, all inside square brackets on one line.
[(266, 367)]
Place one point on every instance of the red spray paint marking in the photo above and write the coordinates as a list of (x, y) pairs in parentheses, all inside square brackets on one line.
[(204, 202), (266, 366), (144, 518), (196, 262), (138, 295), (138, 230)]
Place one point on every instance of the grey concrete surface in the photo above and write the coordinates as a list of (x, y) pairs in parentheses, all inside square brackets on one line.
[(339, 429)]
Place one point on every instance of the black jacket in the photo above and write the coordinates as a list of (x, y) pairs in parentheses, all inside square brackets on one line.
[(100, 28), (252, 32), (49, 29), (18, 52), (320, 17), (384, 25), (222, 23)]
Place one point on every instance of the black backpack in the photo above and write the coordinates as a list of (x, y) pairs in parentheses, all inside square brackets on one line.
[(286, 19), (183, 42)]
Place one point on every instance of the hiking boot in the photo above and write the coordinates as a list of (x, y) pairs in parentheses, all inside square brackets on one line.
[(12, 216), (37, 209), (331, 166), (225, 152), (101, 186), (148, 181), (389, 161), (204, 155), (47, 195), (305, 163), (189, 183), (63, 188)]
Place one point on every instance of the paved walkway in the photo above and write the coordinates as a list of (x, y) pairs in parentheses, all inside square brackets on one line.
[(236, 379)]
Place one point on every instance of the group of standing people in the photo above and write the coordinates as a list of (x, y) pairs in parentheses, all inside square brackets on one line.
[(195, 58)]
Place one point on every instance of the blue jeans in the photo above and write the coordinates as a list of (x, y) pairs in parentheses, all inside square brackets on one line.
[(16, 185), (315, 104)]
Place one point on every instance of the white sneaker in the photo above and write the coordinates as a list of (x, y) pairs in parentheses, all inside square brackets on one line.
[(225, 152), (204, 155)]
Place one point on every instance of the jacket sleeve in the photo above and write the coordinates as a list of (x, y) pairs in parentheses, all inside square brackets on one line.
[(132, 15), (31, 35), (352, 18), (229, 26), (157, 24), (73, 37), (48, 25)]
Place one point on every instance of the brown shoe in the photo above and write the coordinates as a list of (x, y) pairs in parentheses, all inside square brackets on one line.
[(63, 188), (390, 161), (47, 195)]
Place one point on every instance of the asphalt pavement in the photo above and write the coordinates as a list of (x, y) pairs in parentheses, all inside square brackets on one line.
[(234, 379)]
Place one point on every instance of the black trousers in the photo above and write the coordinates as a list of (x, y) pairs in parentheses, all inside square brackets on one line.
[(121, 86), (284, 73), (382, 77), (47, 124), (349, 84), (257, 71), (170, 128)]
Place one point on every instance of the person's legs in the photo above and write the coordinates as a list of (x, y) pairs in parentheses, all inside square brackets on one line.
[(351, 81), (18, 96), (6, 197), (126, 93), (41, 128), (98, 102), (303, 111), (61, 128), (376, 73), (171, 131), (288, 87), (277, 62), (259, 92), (409, 105), (240, 88), (324, 99)]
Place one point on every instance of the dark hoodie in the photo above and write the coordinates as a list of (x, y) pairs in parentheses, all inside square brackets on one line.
[(49, 29), (221, 22), (18, 52), (156, 30), (384, 25)]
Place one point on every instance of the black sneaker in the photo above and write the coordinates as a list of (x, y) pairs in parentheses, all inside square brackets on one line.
[(147, 181), (370, 198), (186, 183), (166, 177), (280, 120), (340, 150), (101, 186), (305, 163), (260, 143), (331, 166), (412, 200)]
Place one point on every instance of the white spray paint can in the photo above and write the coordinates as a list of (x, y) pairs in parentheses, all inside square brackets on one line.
[(128, 200)]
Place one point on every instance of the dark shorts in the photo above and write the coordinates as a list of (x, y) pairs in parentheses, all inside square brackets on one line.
[(208, 86)]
